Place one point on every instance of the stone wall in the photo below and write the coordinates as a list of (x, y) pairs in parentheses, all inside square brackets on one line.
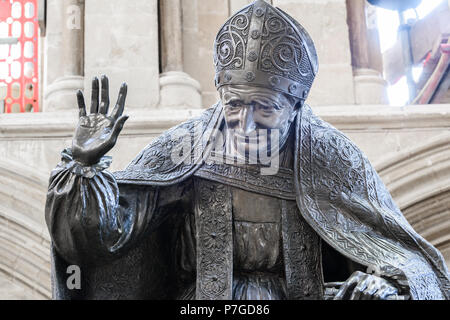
[(325, 21), (121, 40), (201, 22)]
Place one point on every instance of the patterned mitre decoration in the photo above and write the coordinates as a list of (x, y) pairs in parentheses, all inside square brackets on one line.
[(263, 46)]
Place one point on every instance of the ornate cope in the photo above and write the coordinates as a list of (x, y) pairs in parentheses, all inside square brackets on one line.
[(338, 193)]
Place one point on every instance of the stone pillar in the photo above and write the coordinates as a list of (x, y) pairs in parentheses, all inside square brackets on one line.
[(370, 87), (201, 22), (373, 38), (121, 41), (65, 61), (325, 21), (177, 88)]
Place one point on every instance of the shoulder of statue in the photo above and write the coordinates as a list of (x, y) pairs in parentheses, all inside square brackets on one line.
[(156, 163), (317, 128), (162, 146), (329, 151)]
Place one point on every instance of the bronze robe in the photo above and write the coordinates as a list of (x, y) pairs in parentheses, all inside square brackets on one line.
[(337, 191)]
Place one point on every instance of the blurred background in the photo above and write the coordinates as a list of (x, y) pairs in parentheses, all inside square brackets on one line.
[(383, 80)]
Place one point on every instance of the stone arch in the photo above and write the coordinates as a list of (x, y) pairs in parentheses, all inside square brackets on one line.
[(419, 180), (24, 240)]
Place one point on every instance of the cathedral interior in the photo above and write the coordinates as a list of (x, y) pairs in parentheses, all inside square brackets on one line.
[(163, 49)]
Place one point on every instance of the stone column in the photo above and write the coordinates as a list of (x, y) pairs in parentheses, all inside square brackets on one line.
[(370, 87), (177, 88), (373, 38), (200, 24), (65, 63)]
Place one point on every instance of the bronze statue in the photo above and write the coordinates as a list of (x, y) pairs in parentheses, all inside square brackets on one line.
[(267, 201)]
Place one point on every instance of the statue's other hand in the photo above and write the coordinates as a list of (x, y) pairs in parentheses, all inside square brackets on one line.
[(363, 286), (97, 132)]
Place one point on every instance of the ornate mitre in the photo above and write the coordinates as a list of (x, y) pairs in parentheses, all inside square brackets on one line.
[(263, 46)]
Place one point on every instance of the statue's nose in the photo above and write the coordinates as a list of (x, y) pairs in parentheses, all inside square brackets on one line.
[(247, 123)]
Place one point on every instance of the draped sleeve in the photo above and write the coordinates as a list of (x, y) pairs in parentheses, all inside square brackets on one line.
[(90, 220)]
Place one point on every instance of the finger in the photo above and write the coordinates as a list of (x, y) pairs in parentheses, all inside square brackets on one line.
[(377, 295), (350, 284), (104, 105), (346, 288), (120, 105), (385, 292), (358, 291), (369, 292), (94, 96), (118, 126), (81, 104)]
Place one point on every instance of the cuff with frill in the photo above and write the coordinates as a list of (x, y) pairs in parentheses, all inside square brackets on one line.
[(67, 162)]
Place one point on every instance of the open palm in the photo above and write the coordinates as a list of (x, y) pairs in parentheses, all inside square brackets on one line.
[(97, 132)]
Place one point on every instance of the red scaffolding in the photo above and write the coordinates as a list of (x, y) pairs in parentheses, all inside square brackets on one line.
[(19, 83)]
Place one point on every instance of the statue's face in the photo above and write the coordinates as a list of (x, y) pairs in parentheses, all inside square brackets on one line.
[(253, 113)]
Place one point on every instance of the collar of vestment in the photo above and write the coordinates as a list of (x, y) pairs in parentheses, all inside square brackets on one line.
[(249, 178)]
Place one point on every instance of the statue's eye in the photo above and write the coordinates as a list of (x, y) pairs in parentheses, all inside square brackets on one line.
[(277, 107), (263, 107), (234, 105)]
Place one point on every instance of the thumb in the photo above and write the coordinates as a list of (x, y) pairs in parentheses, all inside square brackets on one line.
[(118, 126)]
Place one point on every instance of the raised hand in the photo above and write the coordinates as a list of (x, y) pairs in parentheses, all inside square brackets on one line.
[(97, 132)]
